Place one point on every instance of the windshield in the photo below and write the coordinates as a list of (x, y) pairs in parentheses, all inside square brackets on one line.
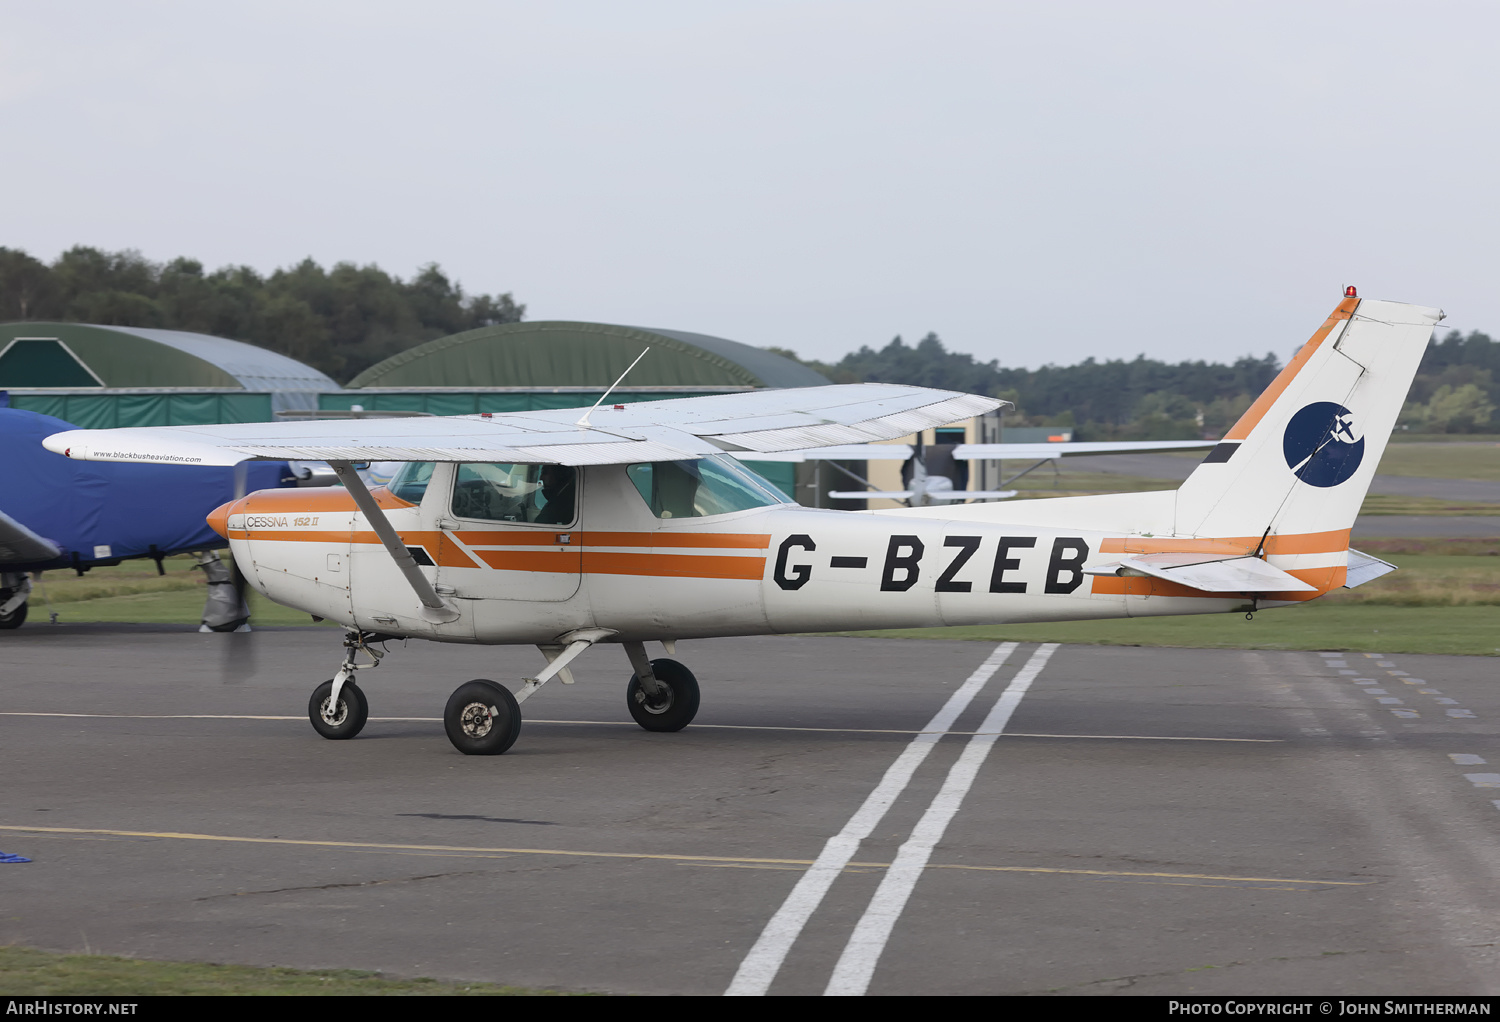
[(696, 489), (411, 479)]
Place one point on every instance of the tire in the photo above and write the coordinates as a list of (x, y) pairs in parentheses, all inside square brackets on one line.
[(677, 710), (353, 711), (15, 618), (482, 718)]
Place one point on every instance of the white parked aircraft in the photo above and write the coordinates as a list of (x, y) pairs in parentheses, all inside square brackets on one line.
[(633, 526)]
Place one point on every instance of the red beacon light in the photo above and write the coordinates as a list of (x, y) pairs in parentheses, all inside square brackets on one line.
[(486, 415), (619, 408), (1351, 292)]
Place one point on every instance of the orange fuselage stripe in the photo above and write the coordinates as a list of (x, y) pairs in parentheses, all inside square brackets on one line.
[(675, 566), (533, 537), (732, 540), (1294, 543), (533, 560), (1257, 411)]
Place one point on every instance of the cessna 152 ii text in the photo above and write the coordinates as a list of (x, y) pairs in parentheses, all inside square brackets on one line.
[(629, 524)]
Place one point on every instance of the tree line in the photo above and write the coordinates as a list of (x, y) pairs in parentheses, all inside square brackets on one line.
[(1457, 388), (341, 320), (345, 319)]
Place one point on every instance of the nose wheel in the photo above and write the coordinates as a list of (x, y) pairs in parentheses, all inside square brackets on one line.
[(342, 719), (674, 704), (482, 718)]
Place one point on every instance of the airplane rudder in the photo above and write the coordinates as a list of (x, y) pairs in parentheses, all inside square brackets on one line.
[(1303, 455)]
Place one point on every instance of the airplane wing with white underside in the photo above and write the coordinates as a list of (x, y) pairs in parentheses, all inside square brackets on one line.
[(682, 428), (1038, 452), (19, 545)]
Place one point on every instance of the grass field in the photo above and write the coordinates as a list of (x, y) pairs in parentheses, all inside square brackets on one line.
[(1479, 458), (25, 972), (133, 591), (1445, 599), (1435, 460)]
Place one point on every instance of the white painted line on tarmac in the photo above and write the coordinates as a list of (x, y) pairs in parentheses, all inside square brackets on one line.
[(759, 968), (856, 966), (1467, 759), (1484, 780)]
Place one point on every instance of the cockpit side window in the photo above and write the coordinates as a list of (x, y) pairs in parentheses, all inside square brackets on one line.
[(696, 489), (497, 492)]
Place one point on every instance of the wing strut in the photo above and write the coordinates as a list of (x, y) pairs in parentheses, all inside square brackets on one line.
[(433, 607)]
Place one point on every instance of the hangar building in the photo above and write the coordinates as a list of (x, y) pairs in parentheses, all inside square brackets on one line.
[(99, 377), (517, 367)]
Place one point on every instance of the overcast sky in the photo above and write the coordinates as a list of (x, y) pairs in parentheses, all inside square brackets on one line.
[(1037, 182)]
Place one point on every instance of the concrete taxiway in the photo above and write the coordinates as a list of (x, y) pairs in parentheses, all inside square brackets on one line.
[(1150, 821)]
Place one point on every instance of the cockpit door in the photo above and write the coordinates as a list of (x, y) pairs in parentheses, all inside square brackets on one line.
[(517, 526)]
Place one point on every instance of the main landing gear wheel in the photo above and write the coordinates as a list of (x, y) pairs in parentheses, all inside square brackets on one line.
[(15, 618), (675, 708), (482, 718), (345, 720)]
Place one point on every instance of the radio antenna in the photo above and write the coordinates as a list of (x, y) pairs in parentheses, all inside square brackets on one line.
[(584, 422)]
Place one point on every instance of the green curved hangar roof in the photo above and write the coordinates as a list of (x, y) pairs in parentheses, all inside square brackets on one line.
[(566, 354), (76, 355)]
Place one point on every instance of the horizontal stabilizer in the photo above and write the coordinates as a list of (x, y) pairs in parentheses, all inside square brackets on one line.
[(19, 545), (1364, 568), (1209, 573)]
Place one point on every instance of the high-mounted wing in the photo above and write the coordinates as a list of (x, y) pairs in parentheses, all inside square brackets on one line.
[(984, 452), (929, 494), (695, 427), (1031, 452), (836, 452), (19, 545)]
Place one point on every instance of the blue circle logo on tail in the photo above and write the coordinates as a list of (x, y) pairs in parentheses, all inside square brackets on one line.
[(1320, 444)]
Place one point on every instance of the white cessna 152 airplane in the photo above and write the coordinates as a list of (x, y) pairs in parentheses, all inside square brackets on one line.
[(629, 524)]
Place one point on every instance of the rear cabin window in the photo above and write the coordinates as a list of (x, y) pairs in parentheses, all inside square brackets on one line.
[(411, 479), (696, 489), (545, 494)]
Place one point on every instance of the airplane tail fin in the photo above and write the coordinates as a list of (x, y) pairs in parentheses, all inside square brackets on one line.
[(1299, 461)]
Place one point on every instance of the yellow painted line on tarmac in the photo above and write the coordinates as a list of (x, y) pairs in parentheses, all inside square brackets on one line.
[(153, 716), (709, 859), (628, 723), (382, 846), (1164, 876)]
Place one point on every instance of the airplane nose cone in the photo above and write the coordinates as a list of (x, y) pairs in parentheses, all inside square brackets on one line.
[(218, 518)]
